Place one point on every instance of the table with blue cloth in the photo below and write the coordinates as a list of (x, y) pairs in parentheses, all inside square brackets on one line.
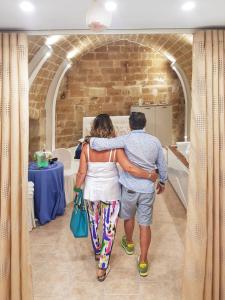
[(49, 194)]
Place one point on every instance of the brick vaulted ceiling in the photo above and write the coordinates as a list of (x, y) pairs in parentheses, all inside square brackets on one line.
[(177, 46)]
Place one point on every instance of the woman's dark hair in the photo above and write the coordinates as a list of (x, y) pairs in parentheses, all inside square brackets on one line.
[(102, 127), (137, 120)]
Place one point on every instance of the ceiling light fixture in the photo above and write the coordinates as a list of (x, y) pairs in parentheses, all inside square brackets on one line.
[(110, 5), (187, 6), (98, 18), (69, 64), (48, 54), (189, 38), (53, 39), (160, 79), (72, 53), (26, 6), (169, 57)]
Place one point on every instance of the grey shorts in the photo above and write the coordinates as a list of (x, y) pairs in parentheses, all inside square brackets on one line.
[(132, 202)]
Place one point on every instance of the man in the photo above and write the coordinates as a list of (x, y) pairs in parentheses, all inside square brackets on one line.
[(138, 195)]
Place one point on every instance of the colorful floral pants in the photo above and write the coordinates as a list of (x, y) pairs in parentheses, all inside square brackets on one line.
[(109, 212)]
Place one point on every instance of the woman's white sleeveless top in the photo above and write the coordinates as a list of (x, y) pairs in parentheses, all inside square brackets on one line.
[(102, 181)]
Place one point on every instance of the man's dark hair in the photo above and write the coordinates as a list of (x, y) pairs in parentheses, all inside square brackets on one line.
[(137, 120)]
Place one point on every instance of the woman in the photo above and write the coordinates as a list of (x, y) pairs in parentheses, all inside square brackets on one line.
[(102, 190)]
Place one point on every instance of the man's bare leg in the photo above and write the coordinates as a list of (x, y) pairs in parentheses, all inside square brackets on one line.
[(129, 229), (145, 240)]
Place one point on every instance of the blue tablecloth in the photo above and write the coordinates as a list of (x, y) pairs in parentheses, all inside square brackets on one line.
[(49, 195)]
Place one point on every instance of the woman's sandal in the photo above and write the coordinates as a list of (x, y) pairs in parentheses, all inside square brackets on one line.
[(103, 277)]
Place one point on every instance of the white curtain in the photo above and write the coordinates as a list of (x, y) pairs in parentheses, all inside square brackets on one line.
[(204, 273), (15, 267)]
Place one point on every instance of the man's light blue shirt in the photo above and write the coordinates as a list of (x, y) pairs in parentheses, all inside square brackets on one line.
[(143, 150)]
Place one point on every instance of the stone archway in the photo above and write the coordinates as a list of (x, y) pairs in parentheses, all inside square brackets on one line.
[(176, 47), (95, 90), (50, 104)]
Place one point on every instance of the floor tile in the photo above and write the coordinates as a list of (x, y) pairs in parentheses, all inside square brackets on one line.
[(64, 267)]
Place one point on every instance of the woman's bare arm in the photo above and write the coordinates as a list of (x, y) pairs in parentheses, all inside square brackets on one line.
[(132, 169), (82, 169)]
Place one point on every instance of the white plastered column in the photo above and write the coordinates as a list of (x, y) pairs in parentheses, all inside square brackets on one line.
[(50, 104), (38, 61), (187, 98)]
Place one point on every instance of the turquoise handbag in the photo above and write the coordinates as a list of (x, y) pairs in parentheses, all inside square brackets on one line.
[(79, 220)]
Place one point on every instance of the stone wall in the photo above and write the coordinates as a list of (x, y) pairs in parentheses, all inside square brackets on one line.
[(109, 80), (173, 46)]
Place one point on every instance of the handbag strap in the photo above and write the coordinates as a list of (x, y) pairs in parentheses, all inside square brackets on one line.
[(79, 200)]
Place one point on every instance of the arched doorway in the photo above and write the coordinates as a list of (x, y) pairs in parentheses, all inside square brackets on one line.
[(100, 95)]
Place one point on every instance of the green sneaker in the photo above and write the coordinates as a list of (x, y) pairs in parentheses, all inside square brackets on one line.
[(128, 247), (142, 268)]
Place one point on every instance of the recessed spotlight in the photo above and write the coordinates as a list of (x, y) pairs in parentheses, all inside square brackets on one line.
[(169, 57), (27, 6), (53, 39), (160, 79), (110, 5), (48, 54), (72, 53), (188, 5), (189, 38)]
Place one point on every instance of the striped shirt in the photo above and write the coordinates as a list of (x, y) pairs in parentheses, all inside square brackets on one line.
[(143, 150)]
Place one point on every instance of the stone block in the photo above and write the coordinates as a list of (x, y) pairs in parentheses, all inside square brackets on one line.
[(113, 91), (97, 92), (102, 56), (102, 49), (106, 63), (89, 56), (114, 48)]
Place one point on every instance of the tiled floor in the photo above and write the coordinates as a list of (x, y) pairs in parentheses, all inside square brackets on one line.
[(64, 268)]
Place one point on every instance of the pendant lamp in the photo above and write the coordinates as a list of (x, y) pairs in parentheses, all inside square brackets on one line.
[(98, 18)]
